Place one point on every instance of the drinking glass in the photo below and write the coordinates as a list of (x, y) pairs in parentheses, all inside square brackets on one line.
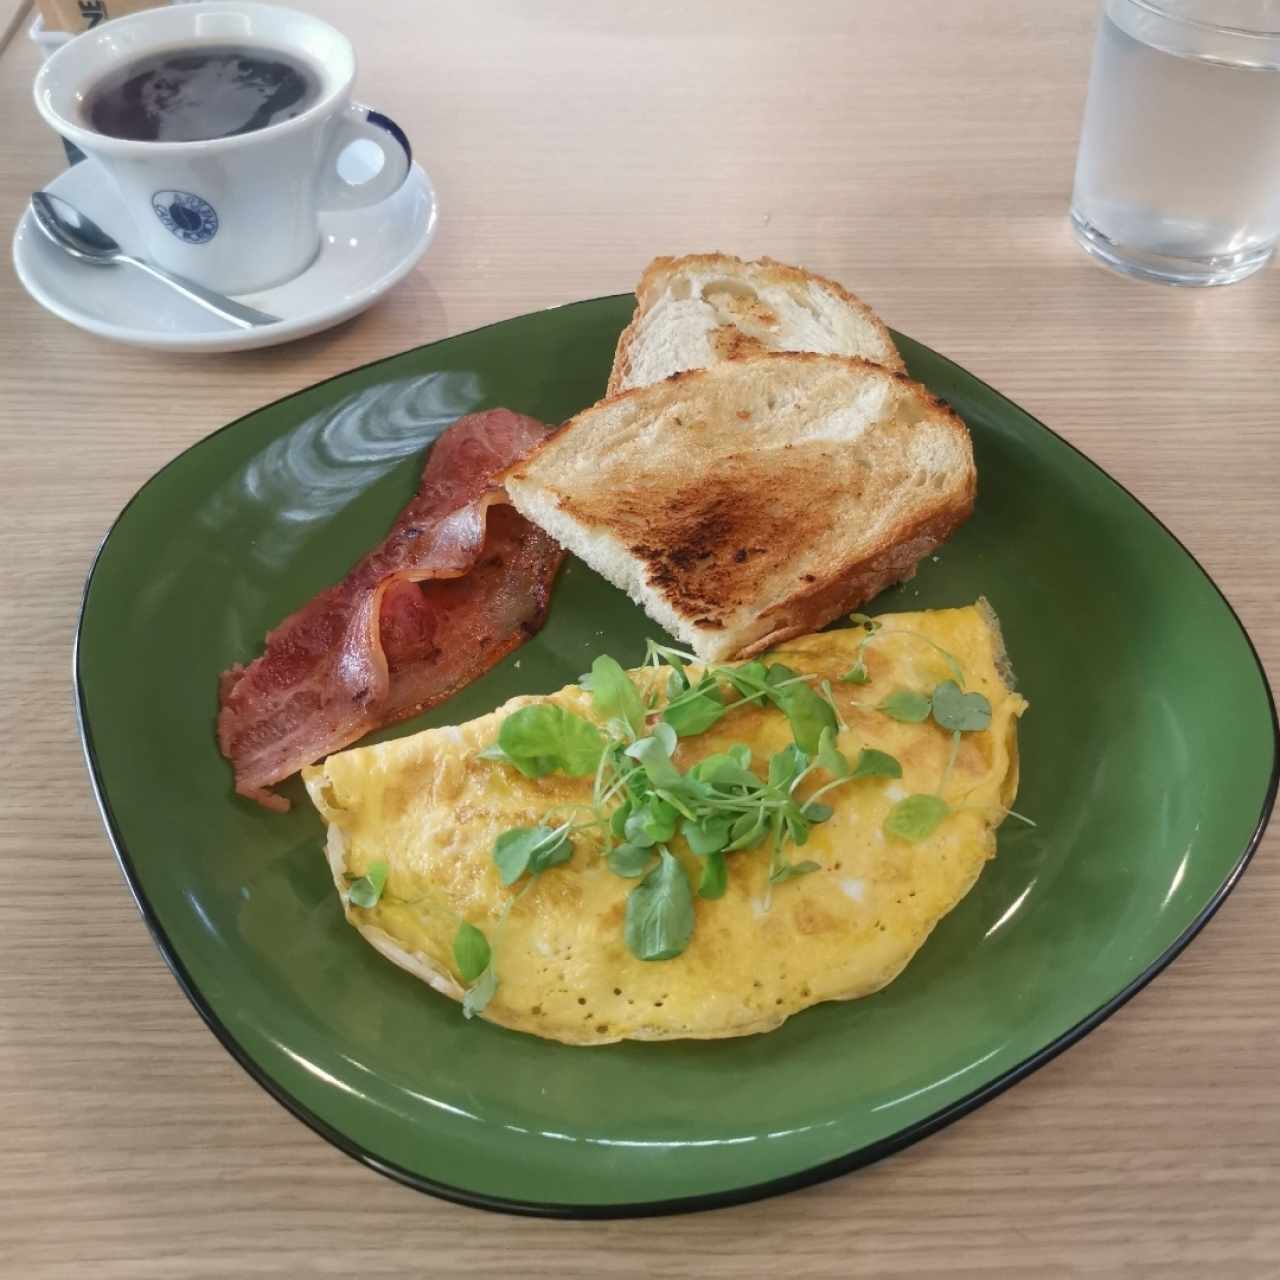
[(1178, 174)]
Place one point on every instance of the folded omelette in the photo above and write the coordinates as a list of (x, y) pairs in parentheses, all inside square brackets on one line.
[(885, 859)]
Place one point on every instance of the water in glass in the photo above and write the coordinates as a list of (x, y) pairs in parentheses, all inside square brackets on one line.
[(1178, 175)]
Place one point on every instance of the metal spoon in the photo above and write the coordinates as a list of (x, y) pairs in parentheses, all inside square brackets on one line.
[(82, 238)]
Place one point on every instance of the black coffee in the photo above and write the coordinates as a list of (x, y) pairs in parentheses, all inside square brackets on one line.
[(189, 95)]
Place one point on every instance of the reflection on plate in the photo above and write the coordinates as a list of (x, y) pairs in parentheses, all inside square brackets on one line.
[(1149, 764)]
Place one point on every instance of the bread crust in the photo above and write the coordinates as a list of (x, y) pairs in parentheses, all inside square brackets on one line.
[(855, 583), (654, 276)]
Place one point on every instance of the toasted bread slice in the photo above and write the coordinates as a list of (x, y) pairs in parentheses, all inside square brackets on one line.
[(695, 311), (755, 500)]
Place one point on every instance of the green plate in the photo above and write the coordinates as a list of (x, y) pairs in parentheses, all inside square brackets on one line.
[(1149, 762)]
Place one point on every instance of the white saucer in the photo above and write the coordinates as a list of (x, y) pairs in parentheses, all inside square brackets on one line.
[(362, 254)]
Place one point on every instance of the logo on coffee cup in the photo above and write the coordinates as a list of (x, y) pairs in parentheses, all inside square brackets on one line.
[(190, 218)]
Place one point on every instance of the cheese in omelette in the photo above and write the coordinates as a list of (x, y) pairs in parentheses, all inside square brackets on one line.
[(430, 808)]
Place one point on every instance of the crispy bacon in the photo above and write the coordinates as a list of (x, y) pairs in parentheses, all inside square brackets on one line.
[(460, 581)]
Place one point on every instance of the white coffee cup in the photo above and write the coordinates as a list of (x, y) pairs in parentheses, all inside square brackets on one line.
[(237, 213)]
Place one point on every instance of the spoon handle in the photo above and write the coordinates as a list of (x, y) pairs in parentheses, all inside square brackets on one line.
[(236, 312)]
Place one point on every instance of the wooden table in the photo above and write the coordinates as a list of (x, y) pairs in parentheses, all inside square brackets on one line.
[(922, 153)]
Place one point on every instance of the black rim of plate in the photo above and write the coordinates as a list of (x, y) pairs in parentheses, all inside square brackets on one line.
[(829, 1169)]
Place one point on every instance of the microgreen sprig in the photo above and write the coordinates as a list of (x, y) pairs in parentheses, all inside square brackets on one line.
[(641, 800), (614, 698), (545, 739), (473, 952), (531, 849), (367, 889), (695, 708), (916, 817), (875, 630), (659, 916)]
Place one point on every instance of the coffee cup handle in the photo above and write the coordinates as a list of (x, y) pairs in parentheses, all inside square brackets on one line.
[(363, 124)]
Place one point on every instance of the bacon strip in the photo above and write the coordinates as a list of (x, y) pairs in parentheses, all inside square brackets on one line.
[(460, 581)]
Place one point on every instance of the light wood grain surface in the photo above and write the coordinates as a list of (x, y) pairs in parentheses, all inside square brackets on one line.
[(920, 152)]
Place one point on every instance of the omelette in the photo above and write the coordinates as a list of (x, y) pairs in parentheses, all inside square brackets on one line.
[(923, 703)]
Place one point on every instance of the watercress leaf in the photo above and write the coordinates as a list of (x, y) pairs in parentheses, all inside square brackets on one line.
[(618, 819), (666, 736), (875, 764), (635, 783), (776, 673), (630, 860), (789, 870), (687, 796), (653, 823), (541, 739), (816, 811), (857, 674), (916, 817), (478, 995), (808, 713), (698, 709), (725, 770), (663, 817), (636, 831), (953, 709), (613, 695), (638, 790), (741, 753), (707, 836), (677, 683), (715, 877), (747, 831), (785, 765), (550, 854), (659, 916), (656, 759), (830, 757), (796, 823), (749, 678), (511, 851), (524, 849), (366, 891), (470, 952), (670, 656), (906, 705)]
